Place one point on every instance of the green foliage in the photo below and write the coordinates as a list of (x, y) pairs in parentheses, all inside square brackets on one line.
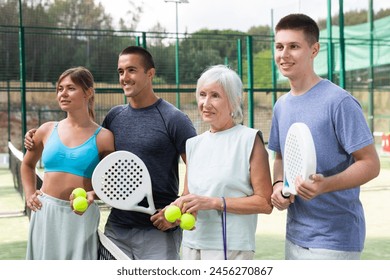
[(263, 37), (59, 34), (260, 30), (262, 66), (9, 11), (382, 13), (354, 17), (197, 61), (77, 32), (78, 14), (223, 41)]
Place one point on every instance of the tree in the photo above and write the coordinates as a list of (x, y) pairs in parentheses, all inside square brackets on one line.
[(205, 48), (262, 68), (133, 16), (79, 14), (157, 34), (264, 34), (354, 17)]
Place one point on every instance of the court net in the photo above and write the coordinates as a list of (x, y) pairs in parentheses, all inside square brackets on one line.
[(107, 250)]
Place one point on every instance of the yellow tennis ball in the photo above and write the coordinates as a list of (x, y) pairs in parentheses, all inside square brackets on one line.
[(79, 192), (187, 221), (80, 204), (172, 213)]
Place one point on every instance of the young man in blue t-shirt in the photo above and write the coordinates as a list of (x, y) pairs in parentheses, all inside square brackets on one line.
[(325, 219)]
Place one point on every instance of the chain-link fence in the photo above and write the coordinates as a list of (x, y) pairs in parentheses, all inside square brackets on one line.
[(32, 58)]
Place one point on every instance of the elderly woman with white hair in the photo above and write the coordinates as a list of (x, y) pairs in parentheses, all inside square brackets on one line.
[(228, 181)]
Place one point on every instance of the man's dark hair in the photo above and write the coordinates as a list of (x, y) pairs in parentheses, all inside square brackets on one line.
[(300, 22), (147, 58)]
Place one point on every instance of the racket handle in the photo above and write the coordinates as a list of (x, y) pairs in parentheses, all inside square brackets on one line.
[(285, 195), (287, 190)]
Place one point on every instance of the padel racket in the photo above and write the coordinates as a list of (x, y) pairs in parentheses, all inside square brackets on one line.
[(122, 180), (299, 157)]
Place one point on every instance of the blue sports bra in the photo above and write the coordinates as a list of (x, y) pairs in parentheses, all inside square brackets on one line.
[(80, 160)]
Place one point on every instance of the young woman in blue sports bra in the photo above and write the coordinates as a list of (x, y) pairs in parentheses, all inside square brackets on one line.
[(70, 150)]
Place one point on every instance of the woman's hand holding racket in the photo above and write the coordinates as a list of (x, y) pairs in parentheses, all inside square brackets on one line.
[(278, 200)]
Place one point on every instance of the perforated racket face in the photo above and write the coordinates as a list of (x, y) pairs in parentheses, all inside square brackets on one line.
[(299, 156), (293, 157), (122, 181)]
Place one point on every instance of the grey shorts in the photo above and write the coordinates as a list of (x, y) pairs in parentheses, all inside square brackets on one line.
[(57, 233), (146, 244)]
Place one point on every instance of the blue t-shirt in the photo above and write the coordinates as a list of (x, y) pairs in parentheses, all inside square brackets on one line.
[(332, 220), (157, 135)]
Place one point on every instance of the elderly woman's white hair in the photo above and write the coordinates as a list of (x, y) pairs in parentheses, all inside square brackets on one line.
[(230, 83)]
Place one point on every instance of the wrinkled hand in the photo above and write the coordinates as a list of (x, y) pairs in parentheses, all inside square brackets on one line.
[(191, 203), (33, 202), (309, 189), (278, 200), (161, 223)]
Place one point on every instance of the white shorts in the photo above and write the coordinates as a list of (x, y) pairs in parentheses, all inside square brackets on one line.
[(295, 252), (197, 254)]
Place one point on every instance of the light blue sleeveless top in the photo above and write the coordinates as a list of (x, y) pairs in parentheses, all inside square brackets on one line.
[(218, 164), (80, 160)]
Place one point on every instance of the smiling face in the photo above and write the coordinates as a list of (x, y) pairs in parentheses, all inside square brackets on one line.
[(133, 77), (293, 54), (214, 107)]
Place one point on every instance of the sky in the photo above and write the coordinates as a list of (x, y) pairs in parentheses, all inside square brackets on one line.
[(228, 14)]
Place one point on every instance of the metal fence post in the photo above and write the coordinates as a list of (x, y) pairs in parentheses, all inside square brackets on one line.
[(250, 80)]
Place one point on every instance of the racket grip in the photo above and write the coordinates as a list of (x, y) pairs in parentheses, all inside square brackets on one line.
[(287, 195)]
